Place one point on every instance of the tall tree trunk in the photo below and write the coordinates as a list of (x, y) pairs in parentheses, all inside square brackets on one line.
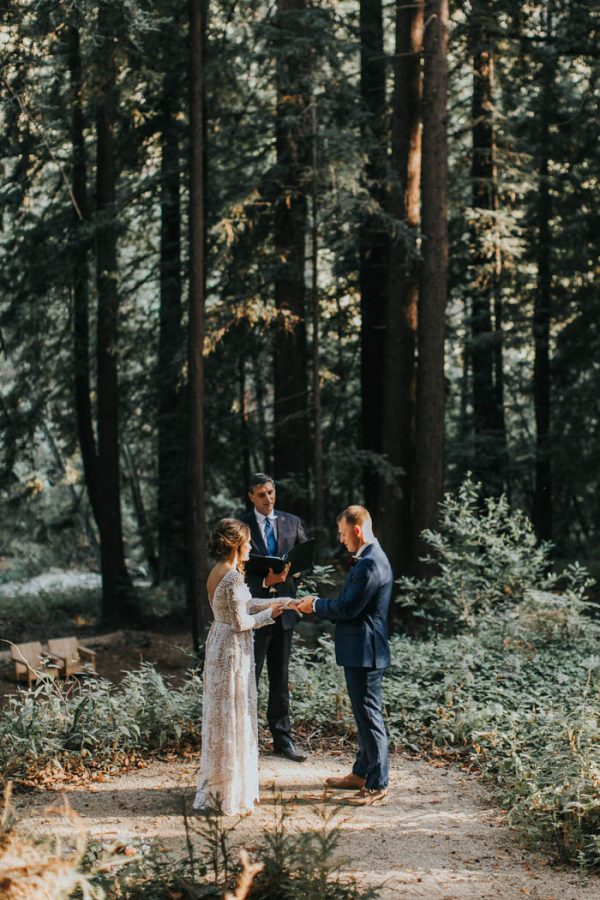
[(318, 489), (542, 513), (400, 364), (429, 483), (79, 264), (244, 416), (116, 584), (373, 242), (261, 414), (137, 499), (488, 419), (197, 568), (172, 501), (290, 412)]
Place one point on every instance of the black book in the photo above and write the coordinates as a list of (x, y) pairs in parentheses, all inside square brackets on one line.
[(301, 559)]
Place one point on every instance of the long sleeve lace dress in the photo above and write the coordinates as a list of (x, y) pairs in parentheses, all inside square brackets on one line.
[(229, 756)]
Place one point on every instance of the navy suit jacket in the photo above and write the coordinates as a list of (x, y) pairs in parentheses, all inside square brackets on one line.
[(290, 532), (360, 612)]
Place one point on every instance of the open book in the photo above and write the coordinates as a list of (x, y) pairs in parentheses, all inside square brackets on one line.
[(301, 558)]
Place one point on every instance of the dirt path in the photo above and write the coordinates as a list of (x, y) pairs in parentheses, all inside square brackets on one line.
[(436, 838)]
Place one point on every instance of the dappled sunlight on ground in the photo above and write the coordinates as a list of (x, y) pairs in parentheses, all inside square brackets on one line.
[(438, 835)]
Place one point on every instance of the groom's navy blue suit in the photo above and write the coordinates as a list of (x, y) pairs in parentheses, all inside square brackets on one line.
[(362, 648)]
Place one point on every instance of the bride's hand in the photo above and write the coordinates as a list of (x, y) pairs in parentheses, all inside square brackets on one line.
[(277, 608)]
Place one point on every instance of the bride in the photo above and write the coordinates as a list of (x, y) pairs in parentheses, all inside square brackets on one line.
[(229, 757)]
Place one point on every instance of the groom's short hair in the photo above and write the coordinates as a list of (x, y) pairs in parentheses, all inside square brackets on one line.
[(259, 478), (355, 515)]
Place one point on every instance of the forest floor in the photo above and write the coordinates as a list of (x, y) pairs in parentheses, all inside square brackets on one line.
[(438, 836)]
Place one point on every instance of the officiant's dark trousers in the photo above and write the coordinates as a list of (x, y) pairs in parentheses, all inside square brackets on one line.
[(274, 644), (364, 690)]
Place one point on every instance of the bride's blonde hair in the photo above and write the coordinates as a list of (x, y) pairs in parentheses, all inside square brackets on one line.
[(228, 535)]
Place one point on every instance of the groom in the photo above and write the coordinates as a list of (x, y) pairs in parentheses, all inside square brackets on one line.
[(362, 648)]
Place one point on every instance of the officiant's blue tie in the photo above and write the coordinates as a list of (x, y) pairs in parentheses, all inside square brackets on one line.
[(270, 539)]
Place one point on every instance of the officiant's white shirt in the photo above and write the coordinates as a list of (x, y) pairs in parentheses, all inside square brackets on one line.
[(261, 523)]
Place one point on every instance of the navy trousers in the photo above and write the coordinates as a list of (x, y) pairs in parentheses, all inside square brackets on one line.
[(364, 690)]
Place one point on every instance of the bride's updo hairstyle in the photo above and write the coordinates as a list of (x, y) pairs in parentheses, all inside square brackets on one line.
[(228, 535)]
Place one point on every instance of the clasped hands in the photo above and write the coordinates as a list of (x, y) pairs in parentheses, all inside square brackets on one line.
[(303, 605)]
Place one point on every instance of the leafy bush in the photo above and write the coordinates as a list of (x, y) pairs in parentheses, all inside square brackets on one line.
[(486, 555), (96, 720), (525, 714)]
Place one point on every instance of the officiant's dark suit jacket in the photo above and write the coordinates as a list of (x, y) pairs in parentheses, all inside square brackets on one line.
[(290, 532), (360, 612), (273, 643)]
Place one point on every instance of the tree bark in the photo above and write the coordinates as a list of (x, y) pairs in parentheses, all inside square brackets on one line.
[(373, 242), (116, 584), (81, 246), (137, 500), (290, 393), (244, 415), (542, 512), (429, 484), (486, 353), (172, 500), (197, 594), (318, 489), (400, 363)]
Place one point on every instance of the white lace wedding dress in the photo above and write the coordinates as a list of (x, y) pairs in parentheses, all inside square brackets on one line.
[(229, 757)]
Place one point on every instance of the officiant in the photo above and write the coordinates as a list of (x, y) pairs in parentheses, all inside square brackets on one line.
[(274, 533)]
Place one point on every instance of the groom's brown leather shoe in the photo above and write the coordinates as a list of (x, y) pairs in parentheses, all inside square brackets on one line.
[(349, 782), (367, 797)]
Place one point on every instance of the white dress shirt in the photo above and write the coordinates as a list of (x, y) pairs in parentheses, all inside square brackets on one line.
[(261, 523)]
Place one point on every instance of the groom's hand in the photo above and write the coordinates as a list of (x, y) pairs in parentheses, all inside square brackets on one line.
[(305, 605)]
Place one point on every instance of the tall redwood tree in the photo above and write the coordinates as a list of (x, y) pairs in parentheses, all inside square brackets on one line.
[(292, 135), (373, 240), (197, 566), (400, 361), (486, 346), (429, 482), (116, 584)]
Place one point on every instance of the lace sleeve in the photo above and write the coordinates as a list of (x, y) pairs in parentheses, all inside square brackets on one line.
[(237, 601), (255, 605)]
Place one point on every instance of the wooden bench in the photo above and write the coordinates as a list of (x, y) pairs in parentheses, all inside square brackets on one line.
[(33, 663), (73, 658)]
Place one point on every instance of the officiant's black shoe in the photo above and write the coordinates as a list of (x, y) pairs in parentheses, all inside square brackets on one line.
[(290, 752)]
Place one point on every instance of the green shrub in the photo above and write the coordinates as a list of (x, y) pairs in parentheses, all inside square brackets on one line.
[(525, 714), (96, 719), (486, 555)]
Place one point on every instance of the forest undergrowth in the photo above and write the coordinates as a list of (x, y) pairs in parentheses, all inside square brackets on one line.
[(504, 678)]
